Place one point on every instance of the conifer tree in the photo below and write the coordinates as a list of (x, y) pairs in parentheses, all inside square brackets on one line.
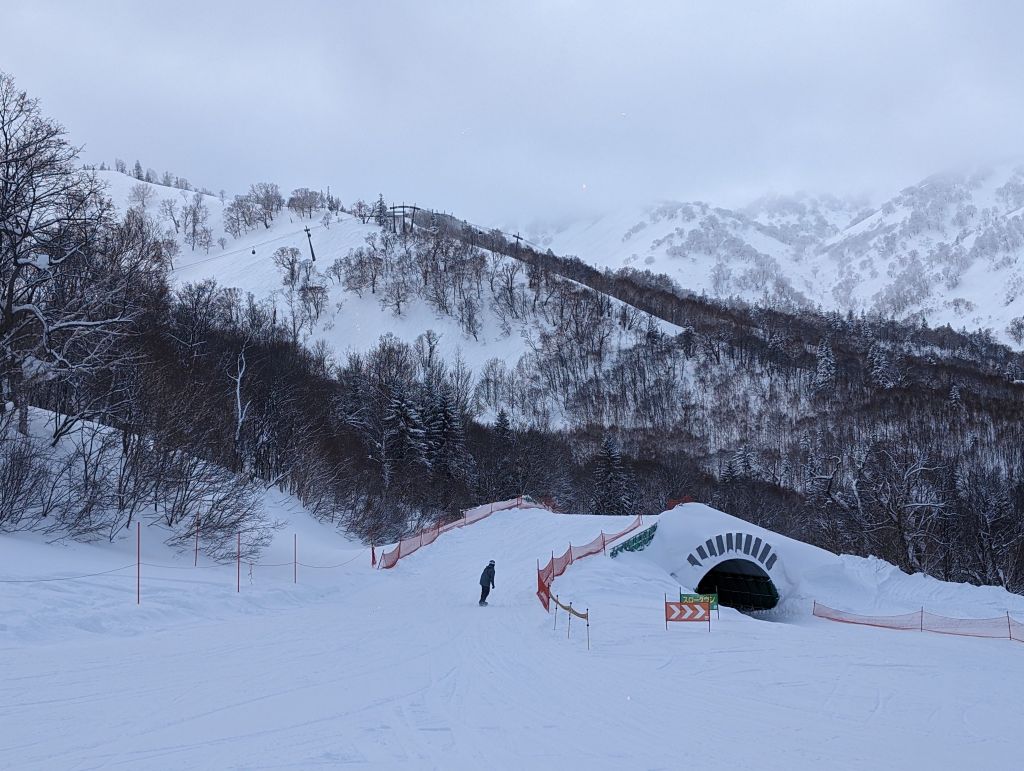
[(825, 372), (612, 489), (380, 211)]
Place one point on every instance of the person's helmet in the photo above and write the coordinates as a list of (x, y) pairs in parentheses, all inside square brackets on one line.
[(491, 562)]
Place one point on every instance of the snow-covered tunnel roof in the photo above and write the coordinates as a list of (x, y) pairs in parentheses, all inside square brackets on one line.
[(692, 539)]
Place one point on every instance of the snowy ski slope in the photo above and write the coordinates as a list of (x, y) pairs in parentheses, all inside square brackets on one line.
[(400, 669)]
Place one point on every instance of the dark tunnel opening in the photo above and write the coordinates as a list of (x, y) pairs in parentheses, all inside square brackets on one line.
[(740, 584)]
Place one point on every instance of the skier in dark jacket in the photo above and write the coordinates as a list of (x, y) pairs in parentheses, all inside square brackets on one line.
[(486, 582)]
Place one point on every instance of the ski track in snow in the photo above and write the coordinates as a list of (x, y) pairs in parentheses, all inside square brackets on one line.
[(400, 669)]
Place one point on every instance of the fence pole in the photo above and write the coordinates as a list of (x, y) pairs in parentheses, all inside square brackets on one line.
[(602, 543), (588, 628), (922, 618), (138, 563), (709, 617), (556, 614), (570, 553), (373, 556), (1009, 629), (295, 558), (197, 541), (568, 628), (238, 565), (664, 609)]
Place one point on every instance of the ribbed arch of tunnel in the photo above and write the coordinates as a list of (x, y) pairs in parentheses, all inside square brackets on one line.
[(740, 584)]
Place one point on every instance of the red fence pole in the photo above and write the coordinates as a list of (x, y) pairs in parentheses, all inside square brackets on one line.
[(295, 558), (138, 563), (238, 565)]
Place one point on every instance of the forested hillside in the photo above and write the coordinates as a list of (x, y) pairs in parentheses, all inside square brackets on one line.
[(184, 353)]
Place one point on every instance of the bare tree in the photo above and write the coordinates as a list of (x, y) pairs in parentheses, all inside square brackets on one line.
[(287, 259), (169, 212), (141, 195), (64, 288), (267, 196), (362, 210)]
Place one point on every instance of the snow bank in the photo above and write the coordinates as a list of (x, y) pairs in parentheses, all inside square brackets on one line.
[(693, 538)]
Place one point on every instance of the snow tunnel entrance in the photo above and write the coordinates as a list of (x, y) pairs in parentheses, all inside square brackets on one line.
[(740, 584)]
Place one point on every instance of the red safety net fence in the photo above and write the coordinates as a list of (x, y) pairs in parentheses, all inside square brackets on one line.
[(1000, 627), (558, 565), (428, 535)]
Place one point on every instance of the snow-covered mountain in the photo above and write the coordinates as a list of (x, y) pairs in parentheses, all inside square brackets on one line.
[(480, 308), (947, 250)]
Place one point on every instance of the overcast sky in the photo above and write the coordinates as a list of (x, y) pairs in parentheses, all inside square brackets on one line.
[(507, 112)]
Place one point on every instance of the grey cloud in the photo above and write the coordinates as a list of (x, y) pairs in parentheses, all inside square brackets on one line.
[(531, 109)]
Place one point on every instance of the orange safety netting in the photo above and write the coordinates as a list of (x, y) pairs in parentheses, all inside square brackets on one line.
[(428, 535), (1000, 627), (1016, 630), (558, 565), (903, 621), (585, 615)]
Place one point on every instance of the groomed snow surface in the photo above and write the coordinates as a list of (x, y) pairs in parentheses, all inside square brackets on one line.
[(399, 669)]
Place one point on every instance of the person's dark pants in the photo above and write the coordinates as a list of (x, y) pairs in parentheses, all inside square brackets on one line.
[(484, 591)]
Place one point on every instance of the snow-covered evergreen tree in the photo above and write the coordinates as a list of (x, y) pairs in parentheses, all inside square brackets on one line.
[(612, 484), (410, 436), (954, 396), (444, 437), (825, 371), (380, 212)]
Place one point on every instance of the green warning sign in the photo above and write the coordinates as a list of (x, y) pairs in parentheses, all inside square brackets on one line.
[(711, 599)]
